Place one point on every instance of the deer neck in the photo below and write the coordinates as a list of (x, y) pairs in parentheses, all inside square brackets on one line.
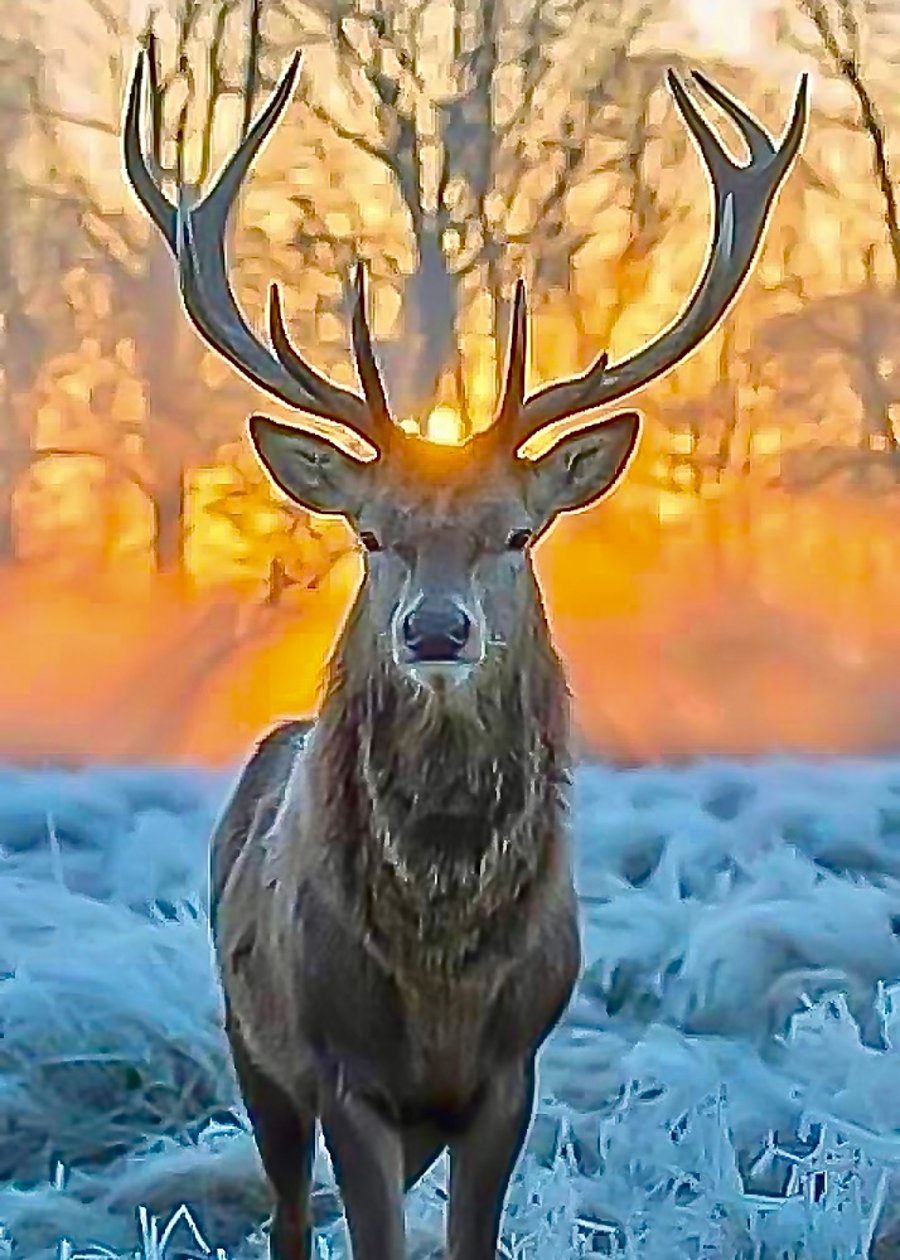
[(448, 745), (442, 803)]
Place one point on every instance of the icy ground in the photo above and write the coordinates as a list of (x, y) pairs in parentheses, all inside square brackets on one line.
[(727, 1084)]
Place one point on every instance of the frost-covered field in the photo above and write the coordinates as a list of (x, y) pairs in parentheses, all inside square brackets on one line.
[(727, 1084)]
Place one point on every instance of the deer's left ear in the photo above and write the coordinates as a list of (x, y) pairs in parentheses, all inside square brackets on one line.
[(582, 467)]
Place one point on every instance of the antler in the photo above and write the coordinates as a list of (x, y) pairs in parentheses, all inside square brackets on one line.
[(742, 199), (195, 232)]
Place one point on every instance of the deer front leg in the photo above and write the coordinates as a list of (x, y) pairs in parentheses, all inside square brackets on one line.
[(367, 1154), (285, 1138), (482, 1163)]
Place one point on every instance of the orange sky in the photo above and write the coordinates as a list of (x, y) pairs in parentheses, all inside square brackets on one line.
[(675, 644), (708, 632)]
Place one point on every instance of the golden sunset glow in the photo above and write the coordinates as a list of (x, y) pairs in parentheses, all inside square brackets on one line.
[(444, 426), (737, 593)]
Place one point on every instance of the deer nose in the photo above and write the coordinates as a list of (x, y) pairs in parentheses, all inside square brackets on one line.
[(437, 629)]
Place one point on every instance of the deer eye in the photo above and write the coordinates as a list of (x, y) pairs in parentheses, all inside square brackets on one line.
[(519, 539), (370, 541)]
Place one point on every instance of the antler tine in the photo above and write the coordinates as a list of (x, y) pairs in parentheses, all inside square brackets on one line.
[(758, 140), (304, 374), (195, 232), (312, 381), (366, 365), (516, 359), (742, 198), (156, 204)]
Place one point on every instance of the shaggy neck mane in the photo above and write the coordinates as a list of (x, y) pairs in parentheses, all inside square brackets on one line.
[(441, 806)]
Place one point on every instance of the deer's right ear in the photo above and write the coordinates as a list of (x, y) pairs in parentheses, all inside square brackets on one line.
[(309, 469)]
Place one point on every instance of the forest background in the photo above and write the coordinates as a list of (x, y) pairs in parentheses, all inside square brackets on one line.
[(738, 594)]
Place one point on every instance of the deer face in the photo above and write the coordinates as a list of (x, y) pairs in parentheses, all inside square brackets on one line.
[(447, 532)]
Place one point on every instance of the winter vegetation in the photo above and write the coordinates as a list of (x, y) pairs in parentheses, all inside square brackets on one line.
[(723, 1084)]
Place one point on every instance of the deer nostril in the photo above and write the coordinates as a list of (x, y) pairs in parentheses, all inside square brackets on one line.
[(437, 629)]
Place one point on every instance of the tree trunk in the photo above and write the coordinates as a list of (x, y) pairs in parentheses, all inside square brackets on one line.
[(159, 364), (7, 525), (169, 533), (873, 392), (21, 353), (845, 61)]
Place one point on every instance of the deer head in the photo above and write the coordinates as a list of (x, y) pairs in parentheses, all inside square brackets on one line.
[(448, 532)]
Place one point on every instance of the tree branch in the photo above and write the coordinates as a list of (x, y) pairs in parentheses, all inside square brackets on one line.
[(252, 68), (846, 62)]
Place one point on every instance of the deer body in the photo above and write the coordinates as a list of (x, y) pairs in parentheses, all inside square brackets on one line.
[(434, 905), (392, 901), (395, 918)]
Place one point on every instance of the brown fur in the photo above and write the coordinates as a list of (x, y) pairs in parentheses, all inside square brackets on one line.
[(395, 919), (456, 802), (394, 911)]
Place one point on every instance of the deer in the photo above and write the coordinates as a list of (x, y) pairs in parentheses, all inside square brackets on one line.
[(392, 900)]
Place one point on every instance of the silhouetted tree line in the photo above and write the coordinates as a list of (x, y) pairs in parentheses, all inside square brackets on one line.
[(451, 156)]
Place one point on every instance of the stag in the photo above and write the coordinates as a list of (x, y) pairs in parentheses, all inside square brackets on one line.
[(393, 908)]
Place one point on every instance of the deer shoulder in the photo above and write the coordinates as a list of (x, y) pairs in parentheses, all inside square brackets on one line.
[(254, 803)]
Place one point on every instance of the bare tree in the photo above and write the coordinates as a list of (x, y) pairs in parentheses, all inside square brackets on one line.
[(839, 28), (486, 128), (835, 357), (38, 242), (178, 428), (19, 336)]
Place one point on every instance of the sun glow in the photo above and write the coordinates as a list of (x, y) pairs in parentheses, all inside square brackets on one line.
[(444, 426), (701, 609), (682, 610)]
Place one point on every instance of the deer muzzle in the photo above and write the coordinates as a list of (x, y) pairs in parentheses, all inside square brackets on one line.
[(437, 633)]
